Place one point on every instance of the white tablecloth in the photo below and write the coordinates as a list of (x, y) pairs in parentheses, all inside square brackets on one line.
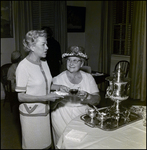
[(132, 136)]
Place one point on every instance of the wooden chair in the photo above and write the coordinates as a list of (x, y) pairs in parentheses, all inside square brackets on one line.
[(124, 66), (10, 96)]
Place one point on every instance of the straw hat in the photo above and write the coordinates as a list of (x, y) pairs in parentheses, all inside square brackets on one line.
[(75, 51)]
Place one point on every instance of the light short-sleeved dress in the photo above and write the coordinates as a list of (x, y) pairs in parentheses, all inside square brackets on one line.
[(63, 115), (34, 79)]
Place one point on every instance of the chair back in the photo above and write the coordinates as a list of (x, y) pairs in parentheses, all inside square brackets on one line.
[(6, 83), (86, 69), (124, 64), (4, 71), (9, 95)]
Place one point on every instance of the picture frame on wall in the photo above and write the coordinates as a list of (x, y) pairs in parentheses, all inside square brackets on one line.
[(6, 19), (76, 19)]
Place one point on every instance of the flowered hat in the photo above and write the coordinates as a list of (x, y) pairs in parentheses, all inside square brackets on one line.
[(75, 51)]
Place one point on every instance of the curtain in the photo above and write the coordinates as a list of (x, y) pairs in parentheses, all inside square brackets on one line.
[(138, 54), (105, 48), (22, 22), (61, 26)]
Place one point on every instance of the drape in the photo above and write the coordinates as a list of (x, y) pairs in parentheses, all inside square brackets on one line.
[(105, 49), (138, 53), (61, 26), (22, 22)]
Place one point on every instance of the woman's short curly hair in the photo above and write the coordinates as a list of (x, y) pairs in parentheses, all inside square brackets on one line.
[(31, 36)]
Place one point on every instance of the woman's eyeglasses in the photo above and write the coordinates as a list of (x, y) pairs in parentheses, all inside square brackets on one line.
[(73, 61)]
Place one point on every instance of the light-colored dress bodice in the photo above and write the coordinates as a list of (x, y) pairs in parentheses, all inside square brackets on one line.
[(63, 115)]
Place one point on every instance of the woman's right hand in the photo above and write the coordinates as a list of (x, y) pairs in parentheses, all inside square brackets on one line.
[(53, 96)]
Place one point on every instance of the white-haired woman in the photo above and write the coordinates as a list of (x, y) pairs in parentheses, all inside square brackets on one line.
[(15, 59), (73, 78), (33, 81)]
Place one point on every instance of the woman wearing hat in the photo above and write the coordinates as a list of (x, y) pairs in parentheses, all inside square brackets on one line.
[(73, 78)]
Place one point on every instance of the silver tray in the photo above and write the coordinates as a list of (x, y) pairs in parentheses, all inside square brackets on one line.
[(110, 124)]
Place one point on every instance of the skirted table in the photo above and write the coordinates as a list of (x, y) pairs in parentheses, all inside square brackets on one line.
[(131, 136)]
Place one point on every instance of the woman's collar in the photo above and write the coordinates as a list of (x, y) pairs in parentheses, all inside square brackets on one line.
[(34, 62)]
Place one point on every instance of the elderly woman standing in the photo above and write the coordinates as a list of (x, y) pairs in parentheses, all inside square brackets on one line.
[(73, 78), (33, 81)]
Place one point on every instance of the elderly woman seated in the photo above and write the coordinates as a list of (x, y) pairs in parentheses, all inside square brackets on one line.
[(72, 78)]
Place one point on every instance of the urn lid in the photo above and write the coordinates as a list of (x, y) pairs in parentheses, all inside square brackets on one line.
[(119, 74)]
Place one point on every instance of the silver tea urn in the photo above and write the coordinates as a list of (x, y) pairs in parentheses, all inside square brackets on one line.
[(117, 91)]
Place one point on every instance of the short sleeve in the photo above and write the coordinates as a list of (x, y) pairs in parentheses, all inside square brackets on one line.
[(21, 79), (93, 86), (88, 84), (56, 80)]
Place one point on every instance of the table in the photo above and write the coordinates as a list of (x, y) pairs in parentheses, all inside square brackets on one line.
[(132, 136), (99, 78)]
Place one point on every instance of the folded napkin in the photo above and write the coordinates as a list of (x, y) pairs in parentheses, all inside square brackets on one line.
[(75, 135)]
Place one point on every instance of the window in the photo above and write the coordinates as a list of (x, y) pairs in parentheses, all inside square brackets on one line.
[(122, 25), (43, 14)]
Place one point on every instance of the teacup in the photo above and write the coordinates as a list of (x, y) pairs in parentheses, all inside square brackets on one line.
[(73, 91)]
